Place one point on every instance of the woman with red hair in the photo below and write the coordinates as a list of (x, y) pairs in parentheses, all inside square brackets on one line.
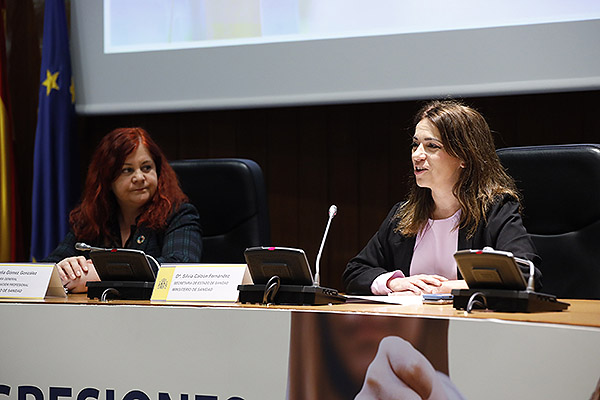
[(131, 199)]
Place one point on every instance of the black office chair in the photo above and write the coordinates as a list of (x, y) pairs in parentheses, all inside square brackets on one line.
[(231, 198), (560, 185)]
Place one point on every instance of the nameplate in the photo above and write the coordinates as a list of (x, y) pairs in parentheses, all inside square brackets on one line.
[(200, 282), (30, 281)]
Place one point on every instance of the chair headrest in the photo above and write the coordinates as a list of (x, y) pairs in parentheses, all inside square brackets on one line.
[(225, 191), (560, 185)]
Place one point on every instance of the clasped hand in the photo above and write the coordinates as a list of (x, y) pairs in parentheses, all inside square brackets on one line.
[(74, 272), (419, 284)]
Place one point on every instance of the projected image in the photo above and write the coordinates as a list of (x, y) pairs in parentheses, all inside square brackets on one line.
[(150, 25)]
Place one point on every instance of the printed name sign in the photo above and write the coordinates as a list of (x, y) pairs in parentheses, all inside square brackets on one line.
[(200, 282), (30, 281)]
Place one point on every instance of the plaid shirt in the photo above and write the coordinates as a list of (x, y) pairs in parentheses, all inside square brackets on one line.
[(179, 242)]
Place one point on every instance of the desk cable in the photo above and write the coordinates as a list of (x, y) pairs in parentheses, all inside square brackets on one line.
[(109, 291), (474, 302), (271, 289)]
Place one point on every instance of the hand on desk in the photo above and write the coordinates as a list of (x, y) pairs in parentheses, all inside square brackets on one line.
[(74, 272), (419, 284), (447, 286), (399, 371), (416, 284)]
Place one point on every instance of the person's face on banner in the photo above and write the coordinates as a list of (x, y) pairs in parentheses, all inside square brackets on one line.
[(356, 342)]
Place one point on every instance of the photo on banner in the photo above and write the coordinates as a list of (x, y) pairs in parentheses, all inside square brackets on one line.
[(330, 353), (361, 356)]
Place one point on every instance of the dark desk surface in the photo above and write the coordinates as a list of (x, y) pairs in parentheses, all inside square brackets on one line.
[(579, 313)]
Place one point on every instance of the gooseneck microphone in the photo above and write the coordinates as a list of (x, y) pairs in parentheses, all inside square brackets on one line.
[(297, 283), (86, 247), (526, 263), (332, 213)]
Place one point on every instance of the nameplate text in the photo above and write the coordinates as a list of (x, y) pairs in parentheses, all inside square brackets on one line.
[(200, 282), (29, 281)]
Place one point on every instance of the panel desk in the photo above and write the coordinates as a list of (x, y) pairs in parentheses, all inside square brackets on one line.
[(81, 349)]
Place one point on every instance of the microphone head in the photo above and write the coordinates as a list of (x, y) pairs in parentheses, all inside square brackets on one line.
[(82, 246), (332, 211)]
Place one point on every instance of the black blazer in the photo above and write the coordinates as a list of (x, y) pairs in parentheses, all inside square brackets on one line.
[(179, 242), (388, 251)]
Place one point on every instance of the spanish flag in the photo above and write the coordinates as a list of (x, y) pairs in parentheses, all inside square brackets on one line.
[(8, 203), (55, 157)]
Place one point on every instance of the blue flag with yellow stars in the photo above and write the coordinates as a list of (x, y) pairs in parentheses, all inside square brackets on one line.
[(55, 159)]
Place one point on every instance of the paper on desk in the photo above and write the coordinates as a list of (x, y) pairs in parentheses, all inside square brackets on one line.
[(405, 300)]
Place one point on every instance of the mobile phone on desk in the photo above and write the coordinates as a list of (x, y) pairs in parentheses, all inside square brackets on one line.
[(441, 298)]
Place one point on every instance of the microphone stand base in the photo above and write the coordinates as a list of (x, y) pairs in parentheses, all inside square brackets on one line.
[(507, 300), (125, 290), (291, 295)]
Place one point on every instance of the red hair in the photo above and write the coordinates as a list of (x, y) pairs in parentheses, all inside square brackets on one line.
[(91, 220)]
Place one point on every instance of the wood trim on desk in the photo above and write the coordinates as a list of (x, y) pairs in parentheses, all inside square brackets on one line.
[(579, 313)]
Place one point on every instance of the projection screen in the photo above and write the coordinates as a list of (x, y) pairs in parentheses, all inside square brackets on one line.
[(179, 55)]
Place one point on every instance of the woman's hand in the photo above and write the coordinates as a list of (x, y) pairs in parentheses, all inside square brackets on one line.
[(447, 286), (417, 284), (74, 272), (399, 371)]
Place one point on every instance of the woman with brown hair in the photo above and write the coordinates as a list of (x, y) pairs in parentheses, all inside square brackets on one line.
[(131, 199), (460, 198)]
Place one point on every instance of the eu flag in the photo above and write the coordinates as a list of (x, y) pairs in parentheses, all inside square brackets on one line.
[(55, 160)]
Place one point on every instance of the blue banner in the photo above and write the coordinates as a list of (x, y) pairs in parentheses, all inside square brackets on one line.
[(55, 164)]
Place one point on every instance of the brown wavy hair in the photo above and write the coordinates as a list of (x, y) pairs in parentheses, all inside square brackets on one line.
[(465, 135), (91, 219)]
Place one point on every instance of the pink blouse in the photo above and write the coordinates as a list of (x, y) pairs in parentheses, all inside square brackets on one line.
[(433, 254), (435, 247)]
